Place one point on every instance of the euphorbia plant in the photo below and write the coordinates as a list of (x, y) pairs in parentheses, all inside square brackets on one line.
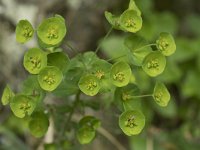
[(52, 71)]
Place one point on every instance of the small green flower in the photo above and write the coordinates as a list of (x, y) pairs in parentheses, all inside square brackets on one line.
[(166, 44), (89, 84), (161, 94), (22, 105), (38, 124), (101, 69), (131, 122), (120, 74), (52, 31), (85, 135), (24, 31), (130, 21), (7, 95), (49, 78), (34, 60), (154, 63), (89, 121)]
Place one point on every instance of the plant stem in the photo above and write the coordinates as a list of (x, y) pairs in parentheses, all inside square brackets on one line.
[(137, 49), (111, 138), (71, 47), (105, 133), (77, 99), (108, 33), (133, 51), (117, 57), (141, 96)]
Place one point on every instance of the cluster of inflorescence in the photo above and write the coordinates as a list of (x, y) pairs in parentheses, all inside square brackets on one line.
[(52, 71)]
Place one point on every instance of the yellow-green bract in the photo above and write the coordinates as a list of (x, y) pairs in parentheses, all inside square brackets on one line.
[(138, 48), (49, 78), (85, 135), (38, 124), (22, 105), (133, 6), (113, 20), (7, 95), (124, 97), (120, 74), (154, 63), (89, 84), (52, 31), (58, 59), (101, 69), (89, 121), (86, 129), (130, 21), (24, 31), (161, 94), (166, 44), (131, 122), (34, 60)]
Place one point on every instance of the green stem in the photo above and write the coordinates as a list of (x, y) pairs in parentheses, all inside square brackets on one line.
[(137, 49), (105, 37), (71, 47), (116, 57), (133, 51), (66, 121), (111, 138), (141, 96)]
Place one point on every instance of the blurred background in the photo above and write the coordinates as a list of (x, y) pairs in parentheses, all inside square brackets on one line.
[(176, 127)]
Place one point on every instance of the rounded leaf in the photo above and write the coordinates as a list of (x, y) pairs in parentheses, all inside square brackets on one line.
[(58, 59), (22, 105), (89, 84), (130, 21), (166, 44), (85, 135), (34, 60), (7, 95), (154, 63), (39, 123), (161, 94), (52, 31), (138, 48), (120, 74), (131, 122), (49, 78), (24, 31), (31, 87)]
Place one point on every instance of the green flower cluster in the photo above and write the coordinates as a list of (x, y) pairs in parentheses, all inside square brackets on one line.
[(51, 70)]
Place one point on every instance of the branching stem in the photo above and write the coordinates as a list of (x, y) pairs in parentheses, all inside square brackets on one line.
[(71, 47), (77, 99), (111, 138), (105, 37), (141, 96), (135, 50)]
